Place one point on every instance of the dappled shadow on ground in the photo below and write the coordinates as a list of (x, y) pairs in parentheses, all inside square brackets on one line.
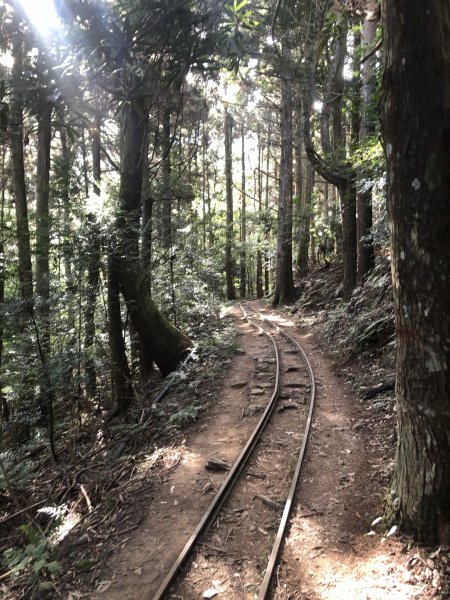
[(328, 554)]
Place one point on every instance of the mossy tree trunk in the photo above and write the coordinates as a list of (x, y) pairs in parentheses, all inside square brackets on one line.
[(165, 344)]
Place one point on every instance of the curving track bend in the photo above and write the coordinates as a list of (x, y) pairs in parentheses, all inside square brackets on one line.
[(233, 552)]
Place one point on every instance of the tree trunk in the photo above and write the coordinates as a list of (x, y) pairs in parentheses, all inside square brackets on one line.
[(18, 171), (166, 202), (243, 266), (266, 208), (337, 171), (162, 341), (122, 389), (84, 162), (4, 406), (93, 277), (284, 286), (205, 175), (366, 253), (96, 148), (305, 224), (43, 221), (231, 294), (417, 144), (42, 322), (347, 192), (146, 360)]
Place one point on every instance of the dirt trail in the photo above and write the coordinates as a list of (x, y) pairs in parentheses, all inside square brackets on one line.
[(328, 554)]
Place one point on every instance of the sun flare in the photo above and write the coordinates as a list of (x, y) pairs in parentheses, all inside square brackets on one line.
[(42, 16)]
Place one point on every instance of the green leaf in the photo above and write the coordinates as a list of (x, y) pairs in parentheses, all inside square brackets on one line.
[(237, 7), (83, 565), (54, 566), (46, 585)]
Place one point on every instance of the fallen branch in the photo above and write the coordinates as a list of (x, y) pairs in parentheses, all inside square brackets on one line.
[(383, 387), (19, 512)]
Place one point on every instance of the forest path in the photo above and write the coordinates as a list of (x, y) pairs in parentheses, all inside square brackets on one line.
[(328, 554)]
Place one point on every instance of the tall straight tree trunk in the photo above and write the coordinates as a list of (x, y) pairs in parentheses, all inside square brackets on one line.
[(42, 323), (146, 360), (284, 286), (259, 252), (416, 125), (122, 388), (18, 170), (231, 294), (96, 152), (93, 277), (243, 266), (43, 221), (347, 192), (304, 225), (84, 162), (70, 282), (326, 203), (204, 183), (4, 406), (366, 253), (266, 208), (166, 206)]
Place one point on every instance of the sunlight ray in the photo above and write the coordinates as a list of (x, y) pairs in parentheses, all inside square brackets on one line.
[(42, 16)]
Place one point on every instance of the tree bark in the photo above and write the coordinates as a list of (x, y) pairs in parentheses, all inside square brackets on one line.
[(18, 170), (163, 342), (42, 322), (93, 277), (266, 208), (122, 389), (166, 201), (96, 153), (45, 109), (258, 190), (366, 253), (146, 360), (347, 192), (304, 224), (4, 406), (284, 286), (243, 266), (416, 123), (339, 172), (231, 294)]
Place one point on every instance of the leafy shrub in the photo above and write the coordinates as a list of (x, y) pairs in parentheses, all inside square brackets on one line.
[(36, 560)]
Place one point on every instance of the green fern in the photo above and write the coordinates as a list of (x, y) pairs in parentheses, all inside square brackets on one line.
[(36, 559)]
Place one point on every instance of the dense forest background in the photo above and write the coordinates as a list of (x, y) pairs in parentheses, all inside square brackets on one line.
[(147, 177), (159, 158)]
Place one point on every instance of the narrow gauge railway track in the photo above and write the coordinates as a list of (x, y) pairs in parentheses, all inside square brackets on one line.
[(247, 518)]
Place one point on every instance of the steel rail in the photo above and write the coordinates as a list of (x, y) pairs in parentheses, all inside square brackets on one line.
[(265, 586), (239, 465), (228, 482)]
